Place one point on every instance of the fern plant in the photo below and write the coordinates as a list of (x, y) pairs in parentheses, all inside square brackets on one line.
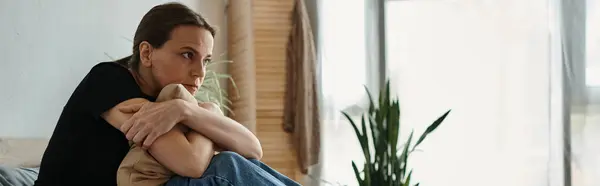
[(211, 89), (385, 166)]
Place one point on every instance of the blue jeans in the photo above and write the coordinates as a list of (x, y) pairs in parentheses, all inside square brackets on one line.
[(231, 169)]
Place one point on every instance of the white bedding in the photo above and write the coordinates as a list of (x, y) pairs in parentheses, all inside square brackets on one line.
[(22, 152), (10, 176), (19, 159)]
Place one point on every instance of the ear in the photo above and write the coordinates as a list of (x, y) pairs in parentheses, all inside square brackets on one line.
[(145, 54)]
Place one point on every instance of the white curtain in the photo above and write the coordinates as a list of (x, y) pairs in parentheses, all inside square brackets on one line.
[(342, 49), (585, 131), (585, 112)]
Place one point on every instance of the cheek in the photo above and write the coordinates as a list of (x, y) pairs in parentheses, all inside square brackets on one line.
[(169, 72)]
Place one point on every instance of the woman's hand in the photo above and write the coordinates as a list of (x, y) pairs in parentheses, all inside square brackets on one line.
[(151, 120)]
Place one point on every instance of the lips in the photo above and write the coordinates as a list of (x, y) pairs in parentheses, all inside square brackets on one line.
[(191, 88)]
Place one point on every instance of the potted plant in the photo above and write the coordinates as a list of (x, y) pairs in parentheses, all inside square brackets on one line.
[(388, 164)]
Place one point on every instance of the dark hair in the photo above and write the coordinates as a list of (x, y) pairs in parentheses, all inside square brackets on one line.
[(156, 26)]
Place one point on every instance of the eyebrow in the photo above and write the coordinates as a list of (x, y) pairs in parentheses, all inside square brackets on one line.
[(195, 51), (190, 48)]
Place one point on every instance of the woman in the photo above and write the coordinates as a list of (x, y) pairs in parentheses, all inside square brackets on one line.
[(155, 166), (172, 45)]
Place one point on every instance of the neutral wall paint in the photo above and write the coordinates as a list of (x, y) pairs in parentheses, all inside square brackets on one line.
[(47, 47)]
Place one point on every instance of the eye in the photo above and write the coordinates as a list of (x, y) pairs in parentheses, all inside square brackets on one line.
[(188, 55), (207, 60)]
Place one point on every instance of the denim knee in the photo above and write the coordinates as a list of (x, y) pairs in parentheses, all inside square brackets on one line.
[(230, 168), (228, 155), (229, 159)]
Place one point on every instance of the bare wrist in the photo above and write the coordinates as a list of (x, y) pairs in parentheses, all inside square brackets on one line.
[(184, 108)]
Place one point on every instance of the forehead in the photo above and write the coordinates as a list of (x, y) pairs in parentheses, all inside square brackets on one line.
[(192, 36)]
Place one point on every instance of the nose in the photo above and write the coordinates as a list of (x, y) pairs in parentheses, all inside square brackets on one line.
[(198, 70)]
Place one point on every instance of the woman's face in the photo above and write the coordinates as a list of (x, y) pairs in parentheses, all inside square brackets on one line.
[(181, 60)]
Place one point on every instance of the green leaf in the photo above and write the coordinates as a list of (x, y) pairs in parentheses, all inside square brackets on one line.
[(404, 156), (386, 98), (361, 138), (235, 87), (356, 131), (394, 128), (374, 138), (220, 96), (229, 110), (357, 174), (368, 179), (371, 104), (407, 181), (393, 122), (398, 169), (368, 168), (366, 147), (431, 128), (218, 63), (221, 76)]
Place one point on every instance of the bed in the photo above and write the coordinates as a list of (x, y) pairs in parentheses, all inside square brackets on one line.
[(20, 159)]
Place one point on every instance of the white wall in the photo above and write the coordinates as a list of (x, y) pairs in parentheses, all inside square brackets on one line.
[(47, 47)]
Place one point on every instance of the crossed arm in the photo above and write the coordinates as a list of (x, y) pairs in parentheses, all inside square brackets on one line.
[(183, 151)]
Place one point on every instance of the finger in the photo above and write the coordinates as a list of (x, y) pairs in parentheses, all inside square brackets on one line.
[(130, 135), (150, 140), (135, 128), (131, 108), (139, 137), (127, 125)]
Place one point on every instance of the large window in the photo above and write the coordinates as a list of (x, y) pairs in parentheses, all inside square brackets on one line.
[(343, 51), (592, 78), (490, 61)]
